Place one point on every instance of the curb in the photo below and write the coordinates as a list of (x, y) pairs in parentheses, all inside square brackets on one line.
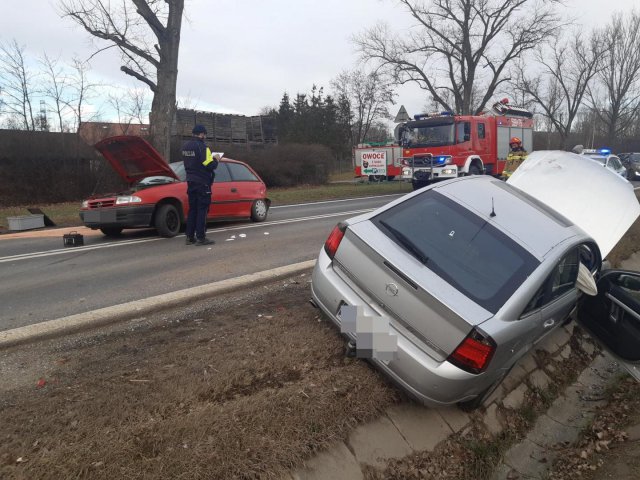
[(125, 311), (410, 428)]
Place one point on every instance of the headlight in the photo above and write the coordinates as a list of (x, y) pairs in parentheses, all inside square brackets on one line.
[(449, 171), (85, 204), (128, 199)]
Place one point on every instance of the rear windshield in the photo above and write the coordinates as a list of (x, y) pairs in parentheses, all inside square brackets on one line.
[(463, 249)]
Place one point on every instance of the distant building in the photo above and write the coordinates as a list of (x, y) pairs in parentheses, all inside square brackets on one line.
[(93, 132)]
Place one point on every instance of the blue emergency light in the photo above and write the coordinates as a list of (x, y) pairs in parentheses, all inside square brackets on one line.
[(605, 151)]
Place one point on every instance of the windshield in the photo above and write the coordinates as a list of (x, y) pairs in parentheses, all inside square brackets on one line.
[(463, 249), (178, 169), (430, 136)]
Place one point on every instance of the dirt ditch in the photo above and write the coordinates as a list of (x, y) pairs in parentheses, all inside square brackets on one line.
[(246, 386)]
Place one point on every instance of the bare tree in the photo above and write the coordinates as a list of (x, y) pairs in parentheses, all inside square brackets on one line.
[(56, 87), (617, 107), (83, 90), (127, 28), (130, 106), (463, 47), (17, 84), (369, 97), (559, 88)]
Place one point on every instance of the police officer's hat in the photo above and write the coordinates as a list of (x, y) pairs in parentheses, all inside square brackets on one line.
[(198, 129)]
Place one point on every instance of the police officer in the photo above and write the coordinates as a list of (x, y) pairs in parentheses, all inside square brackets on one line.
[(200, 166), (517, 155)]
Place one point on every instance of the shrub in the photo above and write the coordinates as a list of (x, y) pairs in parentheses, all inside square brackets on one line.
[(287, 165)]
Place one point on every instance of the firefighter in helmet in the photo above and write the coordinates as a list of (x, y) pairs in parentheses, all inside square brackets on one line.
[(517, 155)]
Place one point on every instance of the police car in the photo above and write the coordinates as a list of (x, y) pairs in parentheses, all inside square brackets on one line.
[(606, 159)]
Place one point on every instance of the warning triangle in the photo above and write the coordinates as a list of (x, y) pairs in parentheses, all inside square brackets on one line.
[(402, 115)]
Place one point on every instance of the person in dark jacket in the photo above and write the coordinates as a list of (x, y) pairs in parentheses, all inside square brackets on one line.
[(200, 166)]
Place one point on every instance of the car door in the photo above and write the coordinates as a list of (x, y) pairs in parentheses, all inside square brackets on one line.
[(554, 300), (612, 317), (246, 188), (222, 194)]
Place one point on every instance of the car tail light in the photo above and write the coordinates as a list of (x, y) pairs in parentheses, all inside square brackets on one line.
[(335, 237), (474, 353)]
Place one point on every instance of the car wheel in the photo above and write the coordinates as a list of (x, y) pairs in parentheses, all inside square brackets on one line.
[(167, 221), (417, 185), (259, 211), (477, 402), (111, 231)]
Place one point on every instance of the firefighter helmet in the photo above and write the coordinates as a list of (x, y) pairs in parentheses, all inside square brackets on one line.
[(515, 140)]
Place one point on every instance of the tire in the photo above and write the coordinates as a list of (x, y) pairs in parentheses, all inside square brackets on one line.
[(167, 221), (376, 178), (475, 403), (259, 210), (390, 177), (112, 231), (417, 185), (474, 170)]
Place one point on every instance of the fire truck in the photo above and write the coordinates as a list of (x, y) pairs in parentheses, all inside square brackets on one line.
[(443, 145)]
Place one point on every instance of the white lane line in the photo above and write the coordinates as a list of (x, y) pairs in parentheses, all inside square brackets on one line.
[(75, 250), (335, 201)]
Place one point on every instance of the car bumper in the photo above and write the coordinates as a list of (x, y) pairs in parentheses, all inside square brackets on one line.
[(124, 217), (428, 380), (425, 175)]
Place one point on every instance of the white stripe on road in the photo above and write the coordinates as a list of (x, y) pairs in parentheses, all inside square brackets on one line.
[(335, 201), (75, 250)]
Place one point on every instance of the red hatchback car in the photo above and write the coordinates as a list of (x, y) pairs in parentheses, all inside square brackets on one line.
[(157, 194)]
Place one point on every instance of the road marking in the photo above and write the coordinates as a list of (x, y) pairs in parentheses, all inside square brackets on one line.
[(75, 250), (335, 201)]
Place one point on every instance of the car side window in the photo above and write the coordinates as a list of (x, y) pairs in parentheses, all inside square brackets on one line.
[(464, 132), (561, 280), (537, 300), (481, 133), (222, 173), (616, 163), (564, 275), (240, 173)]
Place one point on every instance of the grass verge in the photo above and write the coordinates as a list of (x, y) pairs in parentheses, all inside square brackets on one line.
[(66, 214)]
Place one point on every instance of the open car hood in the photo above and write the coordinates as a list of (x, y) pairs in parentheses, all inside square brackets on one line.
[(133, 158), (594, 198)]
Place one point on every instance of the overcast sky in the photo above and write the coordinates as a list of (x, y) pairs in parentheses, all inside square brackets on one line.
[(241, 55)]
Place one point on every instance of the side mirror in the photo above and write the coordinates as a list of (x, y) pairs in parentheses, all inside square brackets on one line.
[(586, 283)]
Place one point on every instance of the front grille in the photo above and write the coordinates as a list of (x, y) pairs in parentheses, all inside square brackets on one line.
[(106, 202)]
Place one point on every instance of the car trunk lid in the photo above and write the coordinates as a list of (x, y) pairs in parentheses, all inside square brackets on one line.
[(133, 158), (416, 301)]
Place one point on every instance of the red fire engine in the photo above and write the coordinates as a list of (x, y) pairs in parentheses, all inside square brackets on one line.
[(442, 145)]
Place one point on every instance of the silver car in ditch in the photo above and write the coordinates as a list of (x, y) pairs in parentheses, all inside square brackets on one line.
[(445, 289)]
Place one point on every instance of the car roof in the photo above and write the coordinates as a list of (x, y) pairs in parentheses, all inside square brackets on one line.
[(543, 229)]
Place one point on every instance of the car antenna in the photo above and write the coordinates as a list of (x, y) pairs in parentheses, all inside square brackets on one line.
[(493, 210)]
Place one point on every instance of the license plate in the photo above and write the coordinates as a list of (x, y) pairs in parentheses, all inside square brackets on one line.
[(100, 216)]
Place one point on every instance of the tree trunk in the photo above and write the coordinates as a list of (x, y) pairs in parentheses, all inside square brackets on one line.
[(163, 106)]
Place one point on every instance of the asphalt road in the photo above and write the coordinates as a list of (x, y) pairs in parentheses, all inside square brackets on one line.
[(41, 280)]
